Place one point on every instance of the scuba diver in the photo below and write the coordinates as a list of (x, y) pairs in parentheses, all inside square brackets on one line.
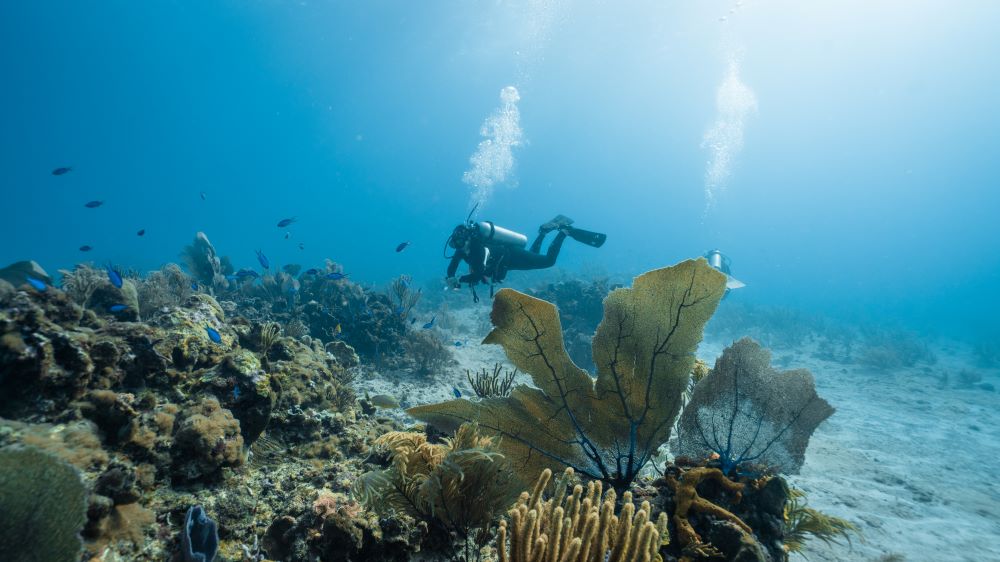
[(491, 251), (720, 261)]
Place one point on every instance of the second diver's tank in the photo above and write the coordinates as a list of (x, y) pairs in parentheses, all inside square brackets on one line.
[(493, 234), (718, 260)]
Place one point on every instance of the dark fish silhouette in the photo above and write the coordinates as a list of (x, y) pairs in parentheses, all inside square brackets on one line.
[(312, 271), (203, 196), (430, 324), (194, 285), (61, 171), (93, 204), (336, 276), (114, 277), (456, 392), (264, 262), (285, 222), (302, 246), (213, 334), (86, 248), (402, 247), (142, 232), (458, 343), (288, 235), (413, 320)]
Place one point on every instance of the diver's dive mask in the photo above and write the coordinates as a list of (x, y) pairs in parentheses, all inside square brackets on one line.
[(459, 236)]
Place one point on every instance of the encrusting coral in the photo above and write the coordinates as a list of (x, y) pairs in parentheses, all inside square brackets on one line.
[(605, 429), (745, 412), (579, 527)]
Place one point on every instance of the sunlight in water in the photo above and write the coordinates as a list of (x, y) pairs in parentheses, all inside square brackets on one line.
[(493, 161), (735, 101)]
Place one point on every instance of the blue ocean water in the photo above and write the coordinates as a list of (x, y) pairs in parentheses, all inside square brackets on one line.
[(842, 154)]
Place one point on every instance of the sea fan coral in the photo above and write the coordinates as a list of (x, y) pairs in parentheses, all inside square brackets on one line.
[(744, 411), (608, 428)]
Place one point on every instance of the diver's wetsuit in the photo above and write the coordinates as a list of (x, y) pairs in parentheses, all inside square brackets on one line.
[(502, 258)]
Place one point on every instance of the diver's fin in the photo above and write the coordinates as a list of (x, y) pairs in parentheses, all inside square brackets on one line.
[(558, 222), (595, 239), (732, 283)]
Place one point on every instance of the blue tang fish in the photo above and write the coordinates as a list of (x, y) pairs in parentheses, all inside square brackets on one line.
[(336, 276), (456, 392), (118, 307), (430, 324), (213, 334), (114, 277)]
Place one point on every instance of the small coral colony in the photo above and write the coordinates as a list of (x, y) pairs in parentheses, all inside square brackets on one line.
[(212, 415)]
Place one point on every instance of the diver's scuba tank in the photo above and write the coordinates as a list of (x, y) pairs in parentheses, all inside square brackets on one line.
[(721, 262), (493, 234), (718, 260)]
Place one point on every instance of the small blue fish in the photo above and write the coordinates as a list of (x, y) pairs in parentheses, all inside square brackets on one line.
[(336, 276), (213, 334), (413, 320), (86, 248), (456, 392), (264, 262), (114, 277), (402, 247), (458, 343), (400, 309), (93, 204), (203, 196), (302, 246), (285, 222), (430, 324), (194, 285), (117, 307), (236, 392), (36, 284), (142, 232), (312, 271), (61, 170), (244, 273)]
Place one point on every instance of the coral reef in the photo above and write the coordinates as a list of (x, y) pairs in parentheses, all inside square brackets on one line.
[(157, 415), (608, 428), (745, 412), (42, 507), (579, 526)]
